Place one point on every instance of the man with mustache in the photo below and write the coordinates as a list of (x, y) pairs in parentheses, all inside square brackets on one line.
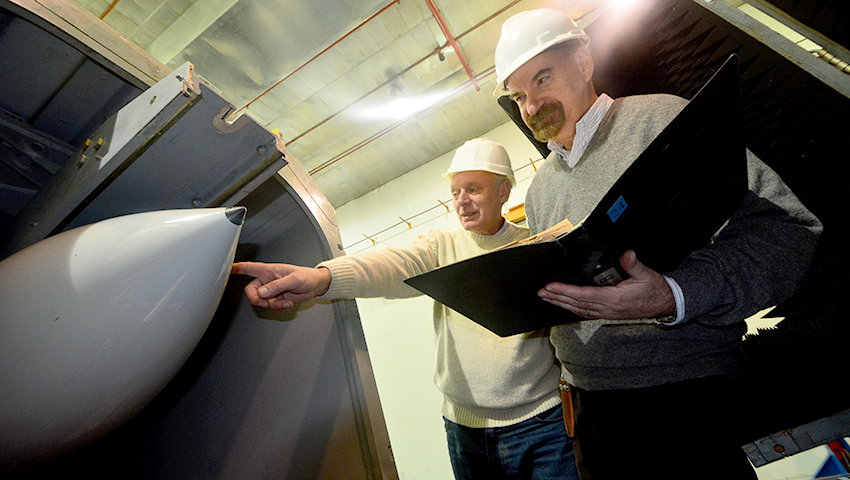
[(650, 372), (501, 407), (548, 121)]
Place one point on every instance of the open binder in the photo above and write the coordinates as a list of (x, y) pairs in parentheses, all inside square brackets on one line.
[(678, 192)]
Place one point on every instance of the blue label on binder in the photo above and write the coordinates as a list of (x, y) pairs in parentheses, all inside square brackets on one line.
[(619, 207)]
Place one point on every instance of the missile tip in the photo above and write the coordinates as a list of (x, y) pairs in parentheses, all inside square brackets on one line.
[(236, 215)]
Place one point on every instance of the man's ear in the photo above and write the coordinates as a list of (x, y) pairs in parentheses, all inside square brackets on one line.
[(505, 191), (584, 60)]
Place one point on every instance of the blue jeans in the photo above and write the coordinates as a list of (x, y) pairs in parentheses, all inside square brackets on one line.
[(537, 449)]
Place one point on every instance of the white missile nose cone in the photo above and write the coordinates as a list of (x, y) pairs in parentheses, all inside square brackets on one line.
[(95, 321)]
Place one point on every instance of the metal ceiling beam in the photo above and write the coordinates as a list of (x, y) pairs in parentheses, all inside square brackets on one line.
[(784, 18), (392, 127), (818, 68), (399, 74), (364, 22), (451, 39)]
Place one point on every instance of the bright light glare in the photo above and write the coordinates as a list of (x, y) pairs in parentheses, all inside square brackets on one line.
[(405, 107), (620, 3), (618, 6)]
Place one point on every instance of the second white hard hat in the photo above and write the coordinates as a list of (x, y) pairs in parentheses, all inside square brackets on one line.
[(527, 34), (481, 154)]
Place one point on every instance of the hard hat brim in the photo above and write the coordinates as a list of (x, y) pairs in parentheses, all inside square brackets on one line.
[(448, 175), (501, 88)]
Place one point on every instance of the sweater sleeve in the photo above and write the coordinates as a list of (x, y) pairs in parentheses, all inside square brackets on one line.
[(381, 273), (757, 260)]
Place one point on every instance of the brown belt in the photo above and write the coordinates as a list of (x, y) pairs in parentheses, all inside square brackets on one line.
[(567, 403)]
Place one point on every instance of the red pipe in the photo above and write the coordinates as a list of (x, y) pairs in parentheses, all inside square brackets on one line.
[(392, 127), (395, 125), (382, 85), (452, 42), (364, 22), (109, 9), (491, 17), (399, 74)]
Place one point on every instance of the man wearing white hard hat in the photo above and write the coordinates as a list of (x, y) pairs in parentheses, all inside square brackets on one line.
[(501, 404), (650, 372)]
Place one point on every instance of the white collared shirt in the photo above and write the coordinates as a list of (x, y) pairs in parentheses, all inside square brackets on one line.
[(585, 129)]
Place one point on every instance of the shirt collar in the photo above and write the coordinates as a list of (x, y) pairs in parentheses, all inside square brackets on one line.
[(504, 228), (585, 129)]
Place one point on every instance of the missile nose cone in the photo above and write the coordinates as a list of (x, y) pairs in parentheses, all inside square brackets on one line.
[(236, 215), (129, 299)]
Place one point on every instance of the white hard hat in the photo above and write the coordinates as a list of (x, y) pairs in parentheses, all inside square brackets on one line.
[(527, 34), (483, 155)]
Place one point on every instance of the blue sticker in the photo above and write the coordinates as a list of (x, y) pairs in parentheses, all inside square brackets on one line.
[(619, 207)]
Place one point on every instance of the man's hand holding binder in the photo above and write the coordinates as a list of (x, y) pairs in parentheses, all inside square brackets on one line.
[(645, 294)]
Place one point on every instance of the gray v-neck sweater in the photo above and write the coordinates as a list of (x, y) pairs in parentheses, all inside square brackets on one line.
[(755, 262)]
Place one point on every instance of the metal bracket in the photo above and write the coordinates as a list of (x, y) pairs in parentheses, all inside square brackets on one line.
[(225, 127), (35, 145)]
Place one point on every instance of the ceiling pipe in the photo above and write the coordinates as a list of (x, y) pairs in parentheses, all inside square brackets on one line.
[(451, 40), (109, 8), (399, 74), (486, 20), (370, 92), (364, 22), (473, 81), (392, 127)]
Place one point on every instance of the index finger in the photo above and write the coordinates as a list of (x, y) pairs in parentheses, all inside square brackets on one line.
[(247, 268)]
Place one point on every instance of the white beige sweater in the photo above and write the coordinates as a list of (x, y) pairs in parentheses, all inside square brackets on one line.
[(486, 380)]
